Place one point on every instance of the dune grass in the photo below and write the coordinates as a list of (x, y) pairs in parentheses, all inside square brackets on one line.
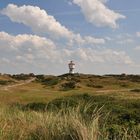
[(71, 108), (67, 123)]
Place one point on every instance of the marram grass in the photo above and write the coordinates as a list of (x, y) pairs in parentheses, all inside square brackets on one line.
[(65, 124)]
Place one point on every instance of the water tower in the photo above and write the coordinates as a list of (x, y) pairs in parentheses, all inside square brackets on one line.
[(71, 67)]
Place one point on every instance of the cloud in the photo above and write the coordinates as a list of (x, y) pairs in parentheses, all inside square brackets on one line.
[(40, 22), (137, 48), (69, 3), (11, 42), (31, 52), (25, 48), (103, 1), (138, 34), (122, 40), (125, 41), (37, 19), (78, 40), (98, 14), (5, 60), (103, 56)]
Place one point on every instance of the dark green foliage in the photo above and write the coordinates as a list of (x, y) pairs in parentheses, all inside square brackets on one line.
[(21, 76), (124, 85), (94, 86), (5, 82), (132, 78), (35, 106), (61, 103), (69, 85), (40, 77), (30, 106), (121, 113), (135, 90), (51, 81), (75, 79), (48, 81), (69, 75)]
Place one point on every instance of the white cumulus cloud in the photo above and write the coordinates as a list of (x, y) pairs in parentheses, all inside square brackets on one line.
[(37, 19), (137, 48), (138, 34), (108, 56), (25, 47), (29, 52), (97, 13), (40, 22), (11, 42)]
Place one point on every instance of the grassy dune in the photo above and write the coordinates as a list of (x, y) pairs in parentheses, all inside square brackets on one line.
[(70, 107), (69, 123)]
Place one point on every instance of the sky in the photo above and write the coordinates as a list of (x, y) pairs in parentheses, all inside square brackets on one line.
[(42, 36)]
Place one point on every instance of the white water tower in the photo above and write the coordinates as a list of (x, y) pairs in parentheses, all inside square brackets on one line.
[(71, 67)]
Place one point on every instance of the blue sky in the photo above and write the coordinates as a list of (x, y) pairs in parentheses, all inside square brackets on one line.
[(101, 36)]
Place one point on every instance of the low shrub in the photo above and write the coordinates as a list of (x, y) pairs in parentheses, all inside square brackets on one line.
[(5, 82), (40, 77), (124, 85), (51, 81), (21, 76), (77, 80), (69, 85), (94, 86), (135, 90)]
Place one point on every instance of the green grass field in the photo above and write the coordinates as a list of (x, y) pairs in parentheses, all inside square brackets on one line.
[(70, 107)]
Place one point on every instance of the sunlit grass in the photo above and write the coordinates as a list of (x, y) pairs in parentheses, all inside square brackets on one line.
[(66, 124), (21, 117)]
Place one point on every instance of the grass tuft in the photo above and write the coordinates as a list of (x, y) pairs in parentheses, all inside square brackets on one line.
[(64, 124)]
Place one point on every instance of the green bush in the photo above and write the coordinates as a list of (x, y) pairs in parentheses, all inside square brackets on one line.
[(21, 76), (94, 86), (135, 90), (51, 81), (124, 85), (69, 85), (77, 80), (5, 82), (40, 77)]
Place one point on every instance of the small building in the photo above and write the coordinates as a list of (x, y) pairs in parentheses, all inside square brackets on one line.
[(71, 66)]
